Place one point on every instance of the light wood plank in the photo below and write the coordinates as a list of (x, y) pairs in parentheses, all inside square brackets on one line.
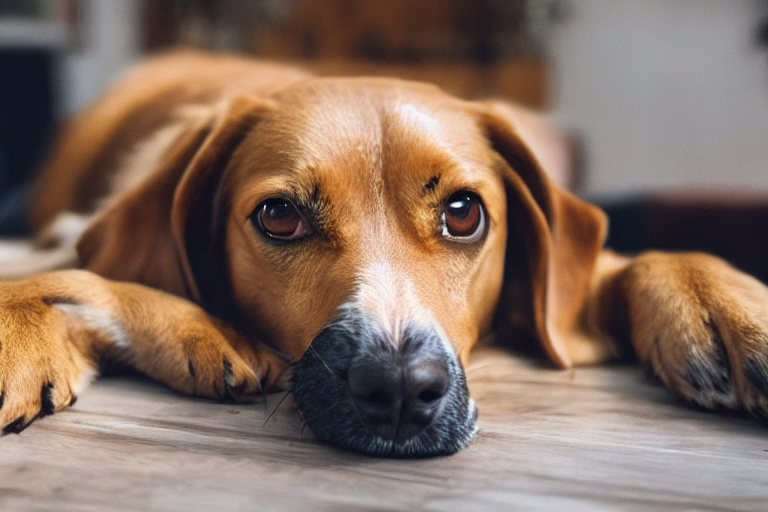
[(588, 439)]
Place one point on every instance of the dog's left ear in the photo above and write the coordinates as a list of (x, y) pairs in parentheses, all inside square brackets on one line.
[(554, 237)]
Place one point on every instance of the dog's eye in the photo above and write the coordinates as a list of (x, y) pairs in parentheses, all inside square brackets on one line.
[(463, 218), (279, 218)]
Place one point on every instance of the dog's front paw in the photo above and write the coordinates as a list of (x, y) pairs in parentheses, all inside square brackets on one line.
[(222, 364), (199, 355), (702, 328), (41, 366)]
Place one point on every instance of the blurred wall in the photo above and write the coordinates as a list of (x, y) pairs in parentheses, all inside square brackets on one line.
[(111, 42), (664, 93), (661, 93)]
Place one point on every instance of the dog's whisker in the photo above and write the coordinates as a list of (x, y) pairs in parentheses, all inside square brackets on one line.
[(303, 424), (321, 360), (285, 395)]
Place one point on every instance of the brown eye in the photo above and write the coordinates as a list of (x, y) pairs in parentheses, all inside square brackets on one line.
[(463, 218), (279, 219)]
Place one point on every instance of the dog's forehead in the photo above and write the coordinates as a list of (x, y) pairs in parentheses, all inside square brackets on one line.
[(382, 124), (355, 110)]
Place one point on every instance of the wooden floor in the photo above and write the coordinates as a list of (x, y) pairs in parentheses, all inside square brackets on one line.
[(591, 439)]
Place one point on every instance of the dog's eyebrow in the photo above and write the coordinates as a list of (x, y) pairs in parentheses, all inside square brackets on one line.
[(432, 184), (309, 197)]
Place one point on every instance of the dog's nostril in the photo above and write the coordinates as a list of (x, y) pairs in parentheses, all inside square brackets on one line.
[(373, 385), (429, 396), (427, 381)]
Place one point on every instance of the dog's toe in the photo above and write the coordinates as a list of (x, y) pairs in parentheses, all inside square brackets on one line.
[(702, 327), (232, 389), (212, 368), (700, 368), (22, 406), (15, 415), (240, 384), (714, 371)]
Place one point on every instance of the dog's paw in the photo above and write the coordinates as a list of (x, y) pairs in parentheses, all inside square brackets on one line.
[(223, 365), (201, 356), (702, 327), (41, 369)]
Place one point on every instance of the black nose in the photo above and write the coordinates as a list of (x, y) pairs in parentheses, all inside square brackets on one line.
[(378, 391), (398, 399)]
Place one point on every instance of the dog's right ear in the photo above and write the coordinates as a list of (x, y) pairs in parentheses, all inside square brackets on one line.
[(554, 238), (151, 233)]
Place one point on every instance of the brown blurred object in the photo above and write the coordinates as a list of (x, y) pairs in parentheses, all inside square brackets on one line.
[(473, 49), (731, 224)]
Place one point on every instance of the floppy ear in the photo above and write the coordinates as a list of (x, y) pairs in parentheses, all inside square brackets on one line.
[(158, 232), (554, 237)]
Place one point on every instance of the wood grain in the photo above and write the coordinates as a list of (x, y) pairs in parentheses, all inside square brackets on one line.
[(588, 439)]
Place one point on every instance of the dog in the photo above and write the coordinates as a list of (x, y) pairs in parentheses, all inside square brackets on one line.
[(246, 221)]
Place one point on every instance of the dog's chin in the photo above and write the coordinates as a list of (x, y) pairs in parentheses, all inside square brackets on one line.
[(321, 392)]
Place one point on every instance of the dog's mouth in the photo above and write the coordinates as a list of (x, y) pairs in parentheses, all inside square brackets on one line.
[(357, 390)]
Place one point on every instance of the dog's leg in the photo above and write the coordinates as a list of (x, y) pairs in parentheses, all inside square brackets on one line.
[(58, 328), (697, 323)]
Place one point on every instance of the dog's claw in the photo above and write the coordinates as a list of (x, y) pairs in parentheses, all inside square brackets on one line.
[(16, 426), (47, 407), (2, 399), (234, 391), (229, 380)]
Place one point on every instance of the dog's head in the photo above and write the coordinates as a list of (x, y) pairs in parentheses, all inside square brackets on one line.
[(369, 229)]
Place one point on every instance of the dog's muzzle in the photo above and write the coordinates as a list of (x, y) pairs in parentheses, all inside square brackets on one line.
[(358, 388)]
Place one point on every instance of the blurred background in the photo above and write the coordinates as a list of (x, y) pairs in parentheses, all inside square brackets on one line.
[(666, 102)]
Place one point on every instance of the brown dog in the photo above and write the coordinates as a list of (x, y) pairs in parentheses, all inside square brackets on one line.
[(369, 230)]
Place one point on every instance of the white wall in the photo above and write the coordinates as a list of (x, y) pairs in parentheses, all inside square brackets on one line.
[(664, 93), (111, 32)]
